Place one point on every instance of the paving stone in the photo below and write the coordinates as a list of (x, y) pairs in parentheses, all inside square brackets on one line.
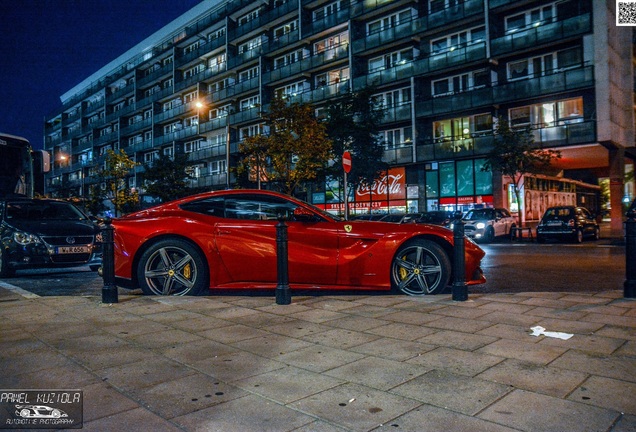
[(188, 394), (431, 418), (194, 351), (573, 313), (622, 321), (618, 367), (288, 384), (457, 339), (461, 312), (319, 358), (456, 361), (318, 315), (451, 391), (340, 338), (355, 407), (236, 365), (393, 349), (533, 412), (459, 324), (262, 320), (510, 318), (296, 328), (247, 414), (511, 308), (402, 331), (608, 393), (33, 362), (590, 343), (521, 350), (533, 377), (626, 423), (411, 317), (627, 349), (357, 323), (370, 311), (507, 331), (135, 417), (164, 338), (569, 326), (271, 345), (103, 400), (231, 334), (617, 332), (377, 372), (145, 373)]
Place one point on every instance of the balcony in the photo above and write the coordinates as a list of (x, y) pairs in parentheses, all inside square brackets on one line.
[(281, 42), (432, 150), (200, 51), (565, 135), (214, 124), (457, 57), (398, 113), (455, 102), (155, 75), (455, 13), (340, 52), (530, 38), (333, 20), (207, 153), (244, 116), (321, 93), (136, 127), (239, 59), (398, 155), (265, 18), (401, 31)]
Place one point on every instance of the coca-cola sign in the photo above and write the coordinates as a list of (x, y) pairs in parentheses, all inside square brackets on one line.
[(391, 185)]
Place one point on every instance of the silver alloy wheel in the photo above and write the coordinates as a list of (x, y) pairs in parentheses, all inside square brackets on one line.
[(420, 268), (170, 270)]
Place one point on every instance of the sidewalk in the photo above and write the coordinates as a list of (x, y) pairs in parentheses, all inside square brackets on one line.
[(330, 363)]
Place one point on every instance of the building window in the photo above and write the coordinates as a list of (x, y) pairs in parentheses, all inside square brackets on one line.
[(391, 21), (192, 47), (148, 135), (248, 74), (172, 127), (396, 137), (332, 77), (193, 70), (531, 18), (458, 40), (462, 128), (285, 29), (440, 5), (545, 64), (327, 10), (218, 167), (394, 98), (250, 45), (151, 156), (391, 60), (547, 114), (249, 103), (217, 63), (461, 83), (191, 121), (292, 89), (216, 34), (332, 46), (219, 112), (248, 17), (249, 131), (288, 59), (190, 97)]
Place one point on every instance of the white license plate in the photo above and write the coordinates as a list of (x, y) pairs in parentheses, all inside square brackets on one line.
[(71, 250), (555, 223)]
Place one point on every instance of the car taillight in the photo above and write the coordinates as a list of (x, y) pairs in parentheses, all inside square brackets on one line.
[(571, 223)]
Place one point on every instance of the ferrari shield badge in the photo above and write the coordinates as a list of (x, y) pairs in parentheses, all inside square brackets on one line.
[(348, 228)]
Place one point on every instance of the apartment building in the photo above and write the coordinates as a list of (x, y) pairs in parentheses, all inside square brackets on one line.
[(444, 71)]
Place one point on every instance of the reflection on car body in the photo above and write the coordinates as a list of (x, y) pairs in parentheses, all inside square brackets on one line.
[(46, 233), (227, 240)]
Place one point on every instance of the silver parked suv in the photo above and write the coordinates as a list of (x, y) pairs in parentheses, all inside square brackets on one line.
[(487, 223)]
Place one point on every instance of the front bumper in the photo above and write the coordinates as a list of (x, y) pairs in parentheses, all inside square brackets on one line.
[(40, 256)]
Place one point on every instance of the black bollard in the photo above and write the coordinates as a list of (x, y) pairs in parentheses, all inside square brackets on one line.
[(283, 293), (109, 290), (630, 256), (460, 290)]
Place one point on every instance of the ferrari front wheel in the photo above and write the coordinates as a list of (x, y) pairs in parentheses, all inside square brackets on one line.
[(172, 267), (420, 267)]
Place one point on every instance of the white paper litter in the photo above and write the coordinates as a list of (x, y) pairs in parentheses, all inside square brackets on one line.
[(538, 331)]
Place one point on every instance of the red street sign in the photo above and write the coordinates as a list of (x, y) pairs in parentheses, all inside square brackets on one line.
[(346, 161)]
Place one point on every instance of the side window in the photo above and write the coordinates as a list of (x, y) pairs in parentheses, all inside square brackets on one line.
[(256, 207), (214, 206)]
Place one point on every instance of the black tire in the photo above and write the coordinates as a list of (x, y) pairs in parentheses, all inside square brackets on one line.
[(94, 268), (540, 239), (597, 233), (420, 267), (489, 235), (5, 270), (173, 267)]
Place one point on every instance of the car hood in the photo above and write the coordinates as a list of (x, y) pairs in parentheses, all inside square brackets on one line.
[(55, 227)]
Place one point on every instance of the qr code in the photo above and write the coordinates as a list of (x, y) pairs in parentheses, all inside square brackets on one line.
[(626, 13)]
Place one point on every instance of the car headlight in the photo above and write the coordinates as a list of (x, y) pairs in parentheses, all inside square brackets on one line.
[(480, 225), (25, 238)]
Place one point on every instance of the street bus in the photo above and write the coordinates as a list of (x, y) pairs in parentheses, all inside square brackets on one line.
[(21, 168)]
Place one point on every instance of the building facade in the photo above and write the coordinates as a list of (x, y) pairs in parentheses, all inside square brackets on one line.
[(444, 71)]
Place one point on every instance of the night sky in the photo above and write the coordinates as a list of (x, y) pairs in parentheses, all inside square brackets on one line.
[(49, 46)]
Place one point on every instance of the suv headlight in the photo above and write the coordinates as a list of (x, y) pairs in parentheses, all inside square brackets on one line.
[(25, 238), (480, 225)]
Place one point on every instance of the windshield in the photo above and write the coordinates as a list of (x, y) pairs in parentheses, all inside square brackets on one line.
[(480, 214), (15, 167), (44, 210)]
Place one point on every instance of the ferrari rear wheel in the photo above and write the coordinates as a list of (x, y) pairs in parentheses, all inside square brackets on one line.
[(172, 267), (420, 267)]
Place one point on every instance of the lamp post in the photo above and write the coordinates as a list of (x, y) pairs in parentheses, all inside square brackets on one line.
[(227, 151), (199, 105)]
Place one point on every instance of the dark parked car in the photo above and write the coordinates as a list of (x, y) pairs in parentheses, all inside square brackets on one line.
[(568, 223), (438, 217), (401, 217), (46, 233)]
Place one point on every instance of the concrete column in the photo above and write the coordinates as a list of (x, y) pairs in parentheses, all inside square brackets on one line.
[(616, 175)]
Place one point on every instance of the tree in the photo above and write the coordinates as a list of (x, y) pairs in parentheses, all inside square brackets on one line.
[(117, 168), (353, 124), (295, 151), (167, 177), (515, 155)]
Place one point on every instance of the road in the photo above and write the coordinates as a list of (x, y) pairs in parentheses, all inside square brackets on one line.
[(509, 267)]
